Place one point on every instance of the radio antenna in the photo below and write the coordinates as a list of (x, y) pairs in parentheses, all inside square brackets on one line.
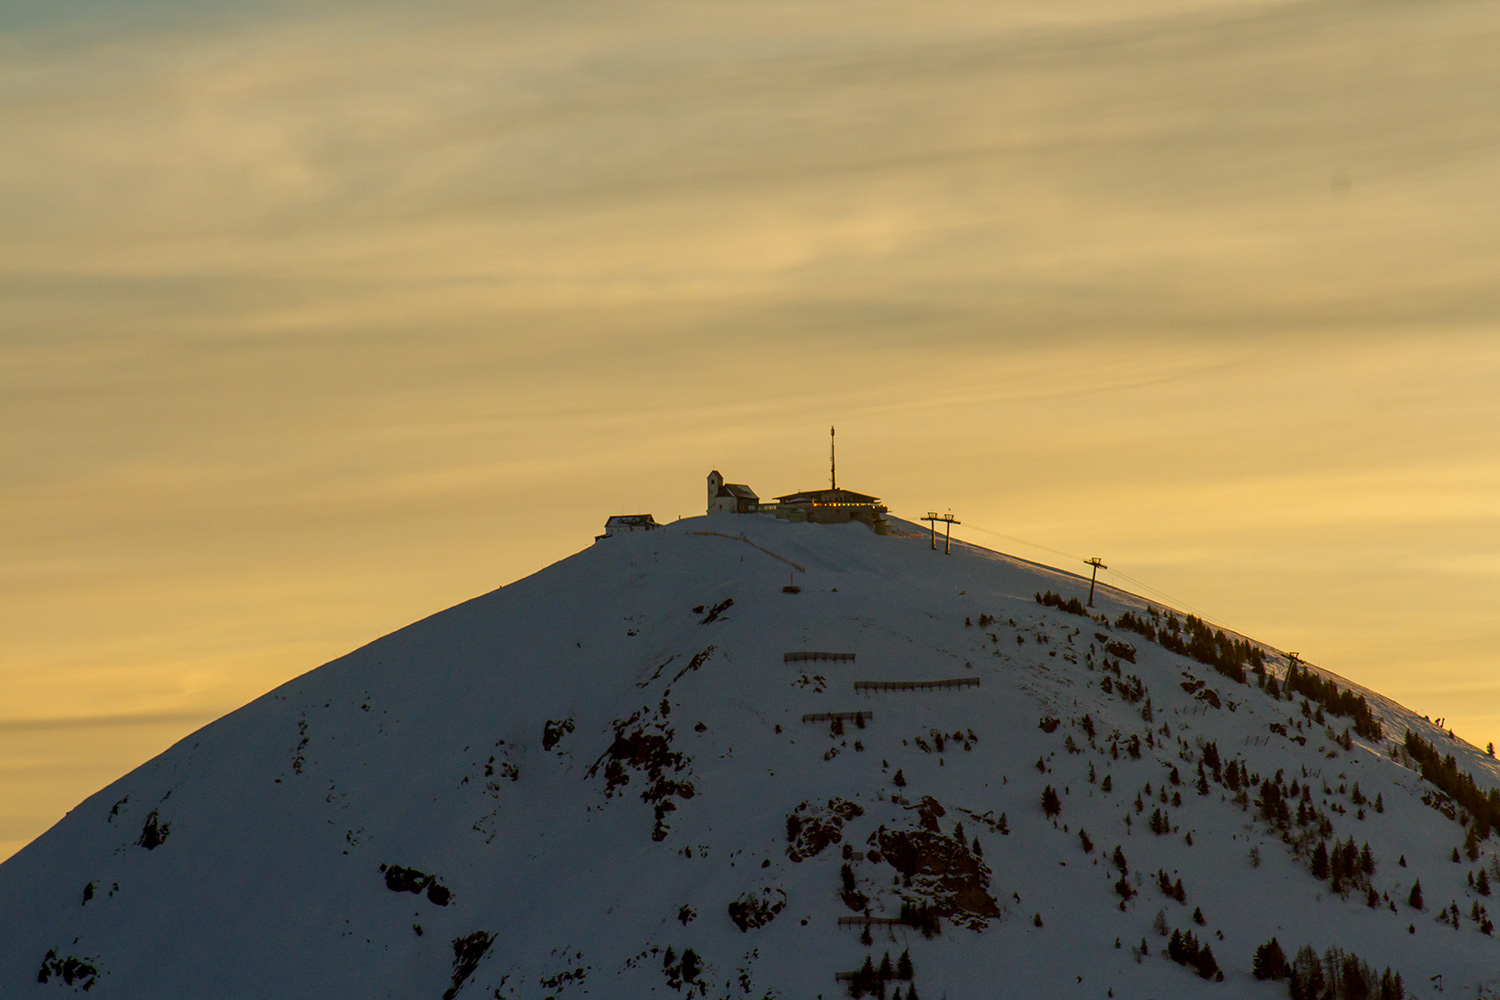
[(833, 469)]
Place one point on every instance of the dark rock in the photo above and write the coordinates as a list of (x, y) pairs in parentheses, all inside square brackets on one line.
[(154, 833), (467, 951)]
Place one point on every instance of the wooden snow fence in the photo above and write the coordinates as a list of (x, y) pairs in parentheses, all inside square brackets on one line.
[(806, 655), (858, 718), (871, 922), (956, 682)]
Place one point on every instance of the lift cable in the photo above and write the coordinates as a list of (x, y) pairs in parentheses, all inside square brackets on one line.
[(1161, 595)]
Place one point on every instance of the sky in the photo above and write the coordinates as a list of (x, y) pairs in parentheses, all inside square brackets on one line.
[(316, 319)]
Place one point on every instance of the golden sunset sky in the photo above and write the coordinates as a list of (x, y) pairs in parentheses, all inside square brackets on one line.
[(318, 318)]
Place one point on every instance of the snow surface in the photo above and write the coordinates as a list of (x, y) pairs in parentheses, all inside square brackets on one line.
[(425, 750)]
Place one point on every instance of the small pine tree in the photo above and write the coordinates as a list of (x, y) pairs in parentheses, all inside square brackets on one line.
[(1414, 900), (1482, 883), (1320, 862), (899, 779), (1270, 961), (903, 967), (1206, 964), (1159, 823), (1051, 804)]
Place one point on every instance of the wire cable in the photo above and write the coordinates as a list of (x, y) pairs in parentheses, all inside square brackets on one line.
[(1169, 599), (1161, 595), (1022, 541)]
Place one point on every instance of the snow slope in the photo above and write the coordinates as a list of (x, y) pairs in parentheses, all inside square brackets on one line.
[(564, 787)]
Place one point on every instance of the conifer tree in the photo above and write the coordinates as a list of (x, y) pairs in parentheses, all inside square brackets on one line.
[(1320, 862), (1159, 823), (1270, 961), (1206, 964), (1414, 900)]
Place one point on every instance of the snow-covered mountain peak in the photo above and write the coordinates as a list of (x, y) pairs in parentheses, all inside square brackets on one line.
[(744, 757)]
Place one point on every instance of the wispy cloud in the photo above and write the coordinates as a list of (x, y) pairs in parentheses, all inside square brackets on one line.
[(302, 308)]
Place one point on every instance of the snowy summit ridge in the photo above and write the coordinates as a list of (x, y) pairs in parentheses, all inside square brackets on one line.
[(745, 757)]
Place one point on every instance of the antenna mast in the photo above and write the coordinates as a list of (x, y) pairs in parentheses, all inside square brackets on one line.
[(833, 469)]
